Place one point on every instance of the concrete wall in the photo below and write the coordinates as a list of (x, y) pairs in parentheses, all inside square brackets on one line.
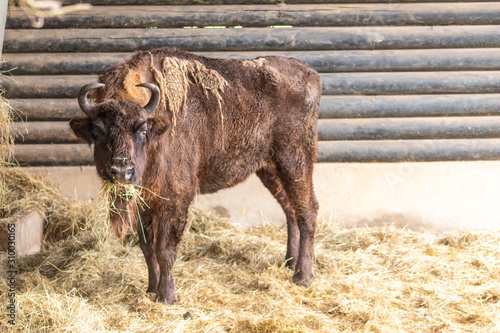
[(438, 196)]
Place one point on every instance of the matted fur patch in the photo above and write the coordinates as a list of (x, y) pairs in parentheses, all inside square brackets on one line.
[(173, 80)]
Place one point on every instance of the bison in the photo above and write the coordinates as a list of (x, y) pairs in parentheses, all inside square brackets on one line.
[(179, 124)]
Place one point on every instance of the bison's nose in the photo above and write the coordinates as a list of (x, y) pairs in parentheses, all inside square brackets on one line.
[(122, 174)]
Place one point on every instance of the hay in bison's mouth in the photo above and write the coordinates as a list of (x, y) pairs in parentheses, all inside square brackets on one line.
[(123, 203), (113, 191), (120, 201)]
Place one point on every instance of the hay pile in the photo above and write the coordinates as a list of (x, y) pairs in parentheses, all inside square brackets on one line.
[(6, 131), (24, 192), (383, 279)]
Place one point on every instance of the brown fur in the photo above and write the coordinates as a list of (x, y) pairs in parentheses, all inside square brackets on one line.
[(270, 110)]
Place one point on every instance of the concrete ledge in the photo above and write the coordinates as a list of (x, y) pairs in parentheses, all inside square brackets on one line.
[(435, 196), (25, 230)]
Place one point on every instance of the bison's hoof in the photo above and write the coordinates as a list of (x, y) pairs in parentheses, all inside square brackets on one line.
[(301, 280), (169, 299), (166, 301)]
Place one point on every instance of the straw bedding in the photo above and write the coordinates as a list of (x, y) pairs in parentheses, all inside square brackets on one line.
[(6, 135), (384, 279)]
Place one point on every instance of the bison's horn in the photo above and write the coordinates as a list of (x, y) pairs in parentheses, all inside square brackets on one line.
[(83, 98), (155, 96)]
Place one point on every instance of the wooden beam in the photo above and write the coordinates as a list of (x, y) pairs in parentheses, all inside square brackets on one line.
[(409, 150), (328, 129), (409, 128), (55, 86), (50, 154), (45, 109), (60, 63), (310, 15), (411, 83), (322, 61), (333, 151), (67, 86), (43, 132), (331, 107), (410, 106), (251, 39), (245, 2)]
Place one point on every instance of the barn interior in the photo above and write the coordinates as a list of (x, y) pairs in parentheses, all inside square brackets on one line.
[(407, 174)]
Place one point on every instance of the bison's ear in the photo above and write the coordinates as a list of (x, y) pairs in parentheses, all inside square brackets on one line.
[(157, 126), (82, 127)]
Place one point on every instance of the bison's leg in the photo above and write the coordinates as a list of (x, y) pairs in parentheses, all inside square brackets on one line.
[(166, 252), (169, 236), (146, 241), (269, 178), (306, 219), (306, 211), (295, 171)]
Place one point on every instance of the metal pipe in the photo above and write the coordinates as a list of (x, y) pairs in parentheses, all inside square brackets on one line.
[(3, 19)]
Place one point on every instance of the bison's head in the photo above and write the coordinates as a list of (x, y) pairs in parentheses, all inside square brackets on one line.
[(121, 132)]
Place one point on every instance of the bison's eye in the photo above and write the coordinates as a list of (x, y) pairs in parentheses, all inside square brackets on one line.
[(142, 134), (141, 131), (97, 135)]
